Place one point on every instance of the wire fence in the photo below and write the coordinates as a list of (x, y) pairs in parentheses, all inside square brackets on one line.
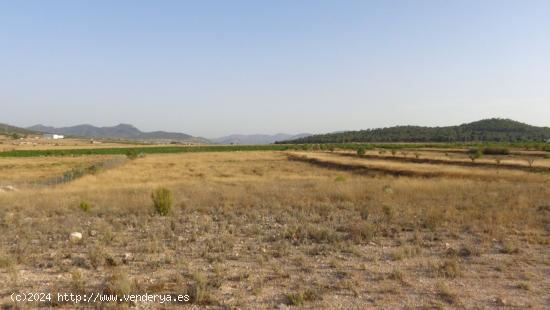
[(78, 172)]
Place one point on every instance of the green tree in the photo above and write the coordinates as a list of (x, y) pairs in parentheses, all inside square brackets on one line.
[(475, 154)]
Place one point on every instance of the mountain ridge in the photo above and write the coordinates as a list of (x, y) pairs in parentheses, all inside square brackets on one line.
[(6, 129), (490, 130), (120, 131), (257, 138)]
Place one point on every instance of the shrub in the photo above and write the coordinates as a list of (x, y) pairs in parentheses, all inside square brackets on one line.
[(396, 274), (450, 269), (432, 219), (547, 156), (6, 262), (295, 299), (97, 256), (364, 212), (405, 252), (446, 294), (84, 206), (388, 213), (198, 290), (361, 232), (509, 248), (468, 250), (360, 151), (310, 233), (324, 209), (77, 281), (118, 283), (312, 294), (131, 154), (496, 151), (524, 286), (340, 178), (162, 200), (321, 235), (474, 154)]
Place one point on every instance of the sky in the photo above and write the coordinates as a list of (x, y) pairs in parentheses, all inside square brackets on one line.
[(213, 68)]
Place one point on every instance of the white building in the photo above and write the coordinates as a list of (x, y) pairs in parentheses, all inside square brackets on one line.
[(52, 136)]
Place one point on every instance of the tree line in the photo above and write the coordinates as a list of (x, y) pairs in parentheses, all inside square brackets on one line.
[(490, 130)]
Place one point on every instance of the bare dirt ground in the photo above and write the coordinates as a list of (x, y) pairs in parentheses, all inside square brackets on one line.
[(259, 231)]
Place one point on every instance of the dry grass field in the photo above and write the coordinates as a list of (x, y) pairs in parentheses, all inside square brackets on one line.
[(263, 230), (38, 143), (36, 171)]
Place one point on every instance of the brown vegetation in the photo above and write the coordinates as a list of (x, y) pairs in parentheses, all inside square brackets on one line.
[(256, 230)]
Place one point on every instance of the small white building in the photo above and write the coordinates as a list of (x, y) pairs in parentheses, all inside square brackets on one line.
[(50, 136)]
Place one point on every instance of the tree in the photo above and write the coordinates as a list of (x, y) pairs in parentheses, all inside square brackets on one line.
[(132, 154), (475, 154)]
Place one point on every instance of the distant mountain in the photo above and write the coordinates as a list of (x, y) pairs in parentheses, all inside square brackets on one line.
[(9, 130), (494, 130), (257, 139), (122, 131)]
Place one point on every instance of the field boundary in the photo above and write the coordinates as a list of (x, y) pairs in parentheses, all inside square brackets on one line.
[(79, 172), (362, 169), (377, 171), (450, 162), (143, 150)]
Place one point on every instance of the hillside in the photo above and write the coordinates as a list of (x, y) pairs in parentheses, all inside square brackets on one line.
[(9, 130), (257, 139), (493, 130), (121, 131)]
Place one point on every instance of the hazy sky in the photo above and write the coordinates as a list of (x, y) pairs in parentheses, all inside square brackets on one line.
[(211, 68)]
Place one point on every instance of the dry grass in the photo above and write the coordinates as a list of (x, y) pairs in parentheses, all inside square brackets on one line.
[(31, 143), (257, 230), (461, 156), (397, 168), (27, 172)]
